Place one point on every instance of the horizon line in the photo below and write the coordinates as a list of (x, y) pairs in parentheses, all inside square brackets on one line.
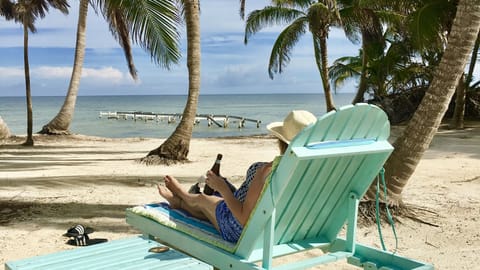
[(207, 94)]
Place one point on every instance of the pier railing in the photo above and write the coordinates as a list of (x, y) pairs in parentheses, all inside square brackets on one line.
[(219, 120)]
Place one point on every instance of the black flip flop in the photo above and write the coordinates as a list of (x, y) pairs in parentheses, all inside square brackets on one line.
[(85, 241), (78, 230), (79, 236)]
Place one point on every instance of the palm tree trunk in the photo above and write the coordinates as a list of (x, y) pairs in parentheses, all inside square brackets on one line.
[(61, 122), (411, 145), (320, 48), (362, 85), (176, 147), (29, 140), (325, 79), (459, 112)]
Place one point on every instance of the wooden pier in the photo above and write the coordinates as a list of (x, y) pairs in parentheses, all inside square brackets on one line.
[(219, 120)]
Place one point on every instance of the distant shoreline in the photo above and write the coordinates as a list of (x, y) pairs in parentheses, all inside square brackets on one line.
[(13, 139), (185, 95)]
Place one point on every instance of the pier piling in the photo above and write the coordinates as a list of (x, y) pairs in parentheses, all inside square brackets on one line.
[(219, 120)]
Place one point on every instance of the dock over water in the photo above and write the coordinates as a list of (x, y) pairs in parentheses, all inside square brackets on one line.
[(219, 120)]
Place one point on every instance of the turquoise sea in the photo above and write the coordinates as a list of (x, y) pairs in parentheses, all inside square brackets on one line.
[(264, 107)]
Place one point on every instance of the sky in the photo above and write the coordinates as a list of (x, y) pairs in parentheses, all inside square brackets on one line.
[(228, 65)]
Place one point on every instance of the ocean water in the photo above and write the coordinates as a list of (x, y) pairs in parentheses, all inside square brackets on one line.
[(87, 121)]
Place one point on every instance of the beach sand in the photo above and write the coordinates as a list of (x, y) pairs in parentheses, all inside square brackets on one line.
[(68, 180)]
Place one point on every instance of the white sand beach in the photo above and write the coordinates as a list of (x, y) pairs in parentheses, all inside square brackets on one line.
[(68, 180)]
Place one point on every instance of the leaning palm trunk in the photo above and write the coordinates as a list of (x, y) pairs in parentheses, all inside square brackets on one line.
[(458, 118), (29, 140), (457, 121), (61, 123), (176, 147), (411, 145)]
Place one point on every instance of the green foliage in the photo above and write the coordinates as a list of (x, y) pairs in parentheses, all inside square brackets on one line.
[(153, 24), (269, 16), (26, 12), (283, 46), (343, 69), (430, 22), (401, 54)]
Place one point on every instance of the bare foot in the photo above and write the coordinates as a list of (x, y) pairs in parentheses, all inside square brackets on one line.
[(174, 201), (174, 186)]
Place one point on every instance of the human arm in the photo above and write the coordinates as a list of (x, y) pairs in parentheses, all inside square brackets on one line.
[(240, 210)]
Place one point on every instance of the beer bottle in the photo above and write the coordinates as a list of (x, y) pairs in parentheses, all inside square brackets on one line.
[(216, 170)]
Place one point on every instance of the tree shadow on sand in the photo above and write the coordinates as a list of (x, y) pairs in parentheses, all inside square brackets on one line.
[(64, 215)]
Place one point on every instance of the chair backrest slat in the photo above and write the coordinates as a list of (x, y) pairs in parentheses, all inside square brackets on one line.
[(323, 165)]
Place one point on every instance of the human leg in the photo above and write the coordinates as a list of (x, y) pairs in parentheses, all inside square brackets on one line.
[(177, 203), (174, 201), (194, 203)]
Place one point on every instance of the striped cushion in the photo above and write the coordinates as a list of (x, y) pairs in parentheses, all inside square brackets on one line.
[(184, 222)]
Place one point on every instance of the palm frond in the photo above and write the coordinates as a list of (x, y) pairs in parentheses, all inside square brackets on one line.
[(429, 22), (152, 24), (475, 87), (27, 12), (242, 9), (119, 29), (268, 16), (339, 73), (296, 4), (60, 5), (284, 44), (6, 9)]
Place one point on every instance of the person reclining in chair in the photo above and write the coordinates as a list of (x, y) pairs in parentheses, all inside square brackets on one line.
[(230, 212)]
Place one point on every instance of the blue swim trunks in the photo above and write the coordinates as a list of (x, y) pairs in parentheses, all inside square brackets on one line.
[(230, 228)]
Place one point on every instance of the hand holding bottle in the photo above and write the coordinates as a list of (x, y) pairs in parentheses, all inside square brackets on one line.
[(216, 182), (216, 170)]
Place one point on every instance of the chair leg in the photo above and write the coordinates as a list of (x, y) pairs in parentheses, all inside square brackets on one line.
[(268, 242), (353, 201)]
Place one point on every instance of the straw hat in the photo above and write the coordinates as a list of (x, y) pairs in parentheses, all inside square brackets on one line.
[(294, 122)]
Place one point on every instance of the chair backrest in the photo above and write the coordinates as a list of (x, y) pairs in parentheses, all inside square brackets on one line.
[(341, 153)]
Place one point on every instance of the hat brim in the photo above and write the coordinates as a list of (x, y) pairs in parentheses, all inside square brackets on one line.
[(276, 128)]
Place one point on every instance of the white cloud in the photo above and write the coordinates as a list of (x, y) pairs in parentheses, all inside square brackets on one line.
[(48, 72), (104, 74), (107, 74), (9, 72)]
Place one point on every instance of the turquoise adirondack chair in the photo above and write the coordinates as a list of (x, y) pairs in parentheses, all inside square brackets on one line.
[(312, 192)]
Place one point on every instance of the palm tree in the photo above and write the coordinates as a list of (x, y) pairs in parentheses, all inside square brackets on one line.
[(301, 15), (365, 20), (396, 70), (26, 12), (61, 122), (418, 134), (176, 146), (153, 25), (414, 30)]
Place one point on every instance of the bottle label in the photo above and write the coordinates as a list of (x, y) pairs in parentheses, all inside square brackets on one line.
[(217, 161)]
